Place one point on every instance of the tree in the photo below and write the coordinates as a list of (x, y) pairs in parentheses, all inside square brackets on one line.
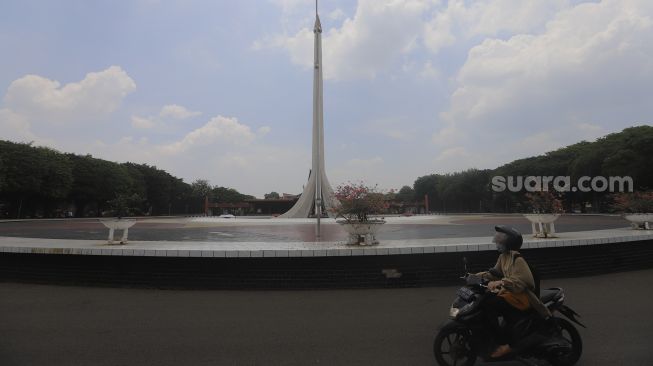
[(180, 194), (201, 188), (629, 153), (166, 194), (97, 181), (138, 184), (427, 185), (38, 181), (126, 205), (33, 178), (271, 196), (229, 195), (56, 179), (406, 195), (461, 191), (358, 201)]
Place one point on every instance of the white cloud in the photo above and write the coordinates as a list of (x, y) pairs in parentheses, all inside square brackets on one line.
[(364, 45), (429, 71), (438, 32), (15, 127), (223, 129), (262, 131), (176, 111), (374, 39), (523, 16), (464, 20), (43, 111), (583, 51), (449, 134), (168, 112), (382, 31), (534, 92), (99, 93), (337, 14), (142, 122)]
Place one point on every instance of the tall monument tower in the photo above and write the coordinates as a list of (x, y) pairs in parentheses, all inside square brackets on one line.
[(318, 194)]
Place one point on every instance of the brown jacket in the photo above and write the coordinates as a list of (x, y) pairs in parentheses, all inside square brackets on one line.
[(517, 278)]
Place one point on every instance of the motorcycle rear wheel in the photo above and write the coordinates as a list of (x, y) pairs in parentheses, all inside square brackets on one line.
[(452, 346), (569, 333)]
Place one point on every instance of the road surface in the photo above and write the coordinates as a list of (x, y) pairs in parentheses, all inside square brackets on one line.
[(59, 325)]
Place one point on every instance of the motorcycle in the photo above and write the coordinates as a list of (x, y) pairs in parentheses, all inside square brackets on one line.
[(470, 333)]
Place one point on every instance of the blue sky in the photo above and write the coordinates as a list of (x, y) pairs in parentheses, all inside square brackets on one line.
[(221, 90)]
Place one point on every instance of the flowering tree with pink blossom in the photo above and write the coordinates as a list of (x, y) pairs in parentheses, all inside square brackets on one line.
[(357, 201), (634, 202), (544, 202)]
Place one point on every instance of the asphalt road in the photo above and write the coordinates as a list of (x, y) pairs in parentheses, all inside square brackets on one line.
[(54, 325)]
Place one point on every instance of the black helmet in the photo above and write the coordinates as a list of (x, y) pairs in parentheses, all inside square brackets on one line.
[(515, 239)]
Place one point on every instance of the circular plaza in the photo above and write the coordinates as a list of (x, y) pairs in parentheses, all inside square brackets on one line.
[(218, 253)]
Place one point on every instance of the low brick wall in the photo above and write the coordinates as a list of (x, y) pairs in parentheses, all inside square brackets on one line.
[(380, 271)]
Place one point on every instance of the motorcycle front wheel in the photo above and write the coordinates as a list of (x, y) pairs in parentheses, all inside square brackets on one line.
[(452, 346)]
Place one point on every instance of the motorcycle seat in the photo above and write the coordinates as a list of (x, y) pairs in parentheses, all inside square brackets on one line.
[(549, 294)]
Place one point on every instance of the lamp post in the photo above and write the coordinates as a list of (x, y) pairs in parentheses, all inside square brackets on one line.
[(318, 213)]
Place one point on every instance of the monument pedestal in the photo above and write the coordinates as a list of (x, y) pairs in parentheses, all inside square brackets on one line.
[(118, 224)]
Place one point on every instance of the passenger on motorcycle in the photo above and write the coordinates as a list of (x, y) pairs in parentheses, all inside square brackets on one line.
[(512, 283)]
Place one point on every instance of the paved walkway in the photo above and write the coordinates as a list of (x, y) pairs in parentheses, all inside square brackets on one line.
[(70, 326)]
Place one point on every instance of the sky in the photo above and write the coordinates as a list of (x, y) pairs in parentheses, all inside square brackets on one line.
[(221, 90)]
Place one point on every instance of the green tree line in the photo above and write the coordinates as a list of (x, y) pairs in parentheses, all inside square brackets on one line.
[(42, 182), (626, 153)]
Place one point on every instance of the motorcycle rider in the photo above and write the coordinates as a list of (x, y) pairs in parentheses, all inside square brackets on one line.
[(512, 283)]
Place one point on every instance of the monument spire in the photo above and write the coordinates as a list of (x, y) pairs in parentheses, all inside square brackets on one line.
[(317, 193)]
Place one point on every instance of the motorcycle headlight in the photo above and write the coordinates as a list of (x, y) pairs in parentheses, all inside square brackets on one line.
[(453, 312)]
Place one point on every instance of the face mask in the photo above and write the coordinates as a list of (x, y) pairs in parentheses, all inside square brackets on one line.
[(499, 240)]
